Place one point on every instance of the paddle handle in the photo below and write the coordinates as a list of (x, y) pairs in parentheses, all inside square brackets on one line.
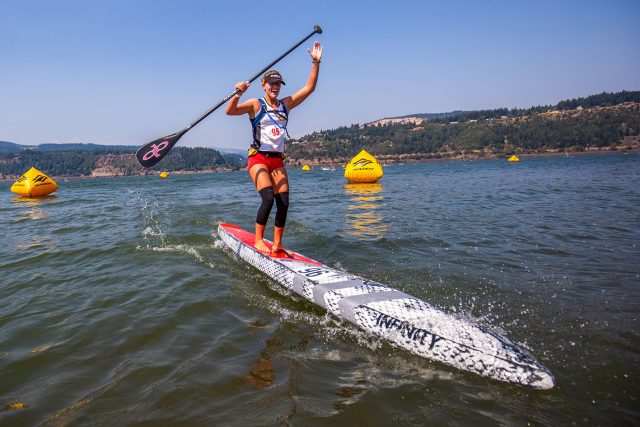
[(316, 29)]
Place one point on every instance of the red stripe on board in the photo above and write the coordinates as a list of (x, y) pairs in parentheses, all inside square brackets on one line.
[(249, 239)]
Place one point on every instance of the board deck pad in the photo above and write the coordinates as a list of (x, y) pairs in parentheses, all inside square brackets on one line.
[(405, 321), (249, 239)]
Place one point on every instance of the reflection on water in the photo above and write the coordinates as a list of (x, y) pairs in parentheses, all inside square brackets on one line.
[(35, 243), (35, 213), (364, 217), (262, 373), (33, 200)]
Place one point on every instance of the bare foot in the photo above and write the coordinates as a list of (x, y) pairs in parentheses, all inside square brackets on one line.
[(280, 249), (261, 246)]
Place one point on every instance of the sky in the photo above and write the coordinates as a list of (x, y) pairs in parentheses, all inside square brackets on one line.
[(128, 72)]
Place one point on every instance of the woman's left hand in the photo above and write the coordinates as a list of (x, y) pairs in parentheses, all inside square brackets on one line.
[(316, 53)]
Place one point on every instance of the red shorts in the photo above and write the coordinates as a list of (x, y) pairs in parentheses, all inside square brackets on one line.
[(271, 162)]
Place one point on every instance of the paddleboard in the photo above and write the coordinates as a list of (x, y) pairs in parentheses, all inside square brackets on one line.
[(405, 321)]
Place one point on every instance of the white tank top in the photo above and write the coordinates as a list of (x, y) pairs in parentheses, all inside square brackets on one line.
[(270, 127)]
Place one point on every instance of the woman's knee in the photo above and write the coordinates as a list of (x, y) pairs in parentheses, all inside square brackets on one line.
[(282, 202), (267, 196)]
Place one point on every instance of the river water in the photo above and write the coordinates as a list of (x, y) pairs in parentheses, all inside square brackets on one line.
[(119, 305)]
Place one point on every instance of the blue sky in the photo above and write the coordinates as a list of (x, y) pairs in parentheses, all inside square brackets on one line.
[(127, 72)]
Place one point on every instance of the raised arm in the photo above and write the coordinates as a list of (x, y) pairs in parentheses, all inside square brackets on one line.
[(248, 107), (298, 97)]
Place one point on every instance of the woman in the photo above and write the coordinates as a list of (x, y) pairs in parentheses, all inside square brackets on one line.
[(269, 117)]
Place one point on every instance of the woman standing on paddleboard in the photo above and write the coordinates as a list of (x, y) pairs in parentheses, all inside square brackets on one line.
[(269, 117)]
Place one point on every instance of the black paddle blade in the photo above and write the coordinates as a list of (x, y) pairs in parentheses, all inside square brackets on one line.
[(150, 154)]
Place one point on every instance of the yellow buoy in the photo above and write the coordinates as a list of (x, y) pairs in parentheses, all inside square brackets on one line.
[(306, 168), (17, 405), (363, 168), (164, 174), (513, 158), (34, 184)]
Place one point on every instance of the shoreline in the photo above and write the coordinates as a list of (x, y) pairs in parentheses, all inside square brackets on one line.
[(10, 178), (395, 159), (429, 157)]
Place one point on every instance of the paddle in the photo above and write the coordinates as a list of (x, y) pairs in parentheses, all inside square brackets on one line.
[(150, 154)]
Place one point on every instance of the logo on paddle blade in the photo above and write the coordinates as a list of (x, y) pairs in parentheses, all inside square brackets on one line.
[(155, 150)]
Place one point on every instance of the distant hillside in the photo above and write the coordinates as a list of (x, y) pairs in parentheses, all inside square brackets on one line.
[(605, 121), (429, 116), (87, 147), (412, 118), (604, 99), (90, 161), (10, 147), (241, 152)]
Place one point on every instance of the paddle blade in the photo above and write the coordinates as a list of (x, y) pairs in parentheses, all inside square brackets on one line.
[(150, 154)]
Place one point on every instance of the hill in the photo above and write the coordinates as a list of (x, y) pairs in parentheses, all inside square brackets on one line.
[(92, 160), (607, 121), (87, 147), (413, 118), (10, 147)]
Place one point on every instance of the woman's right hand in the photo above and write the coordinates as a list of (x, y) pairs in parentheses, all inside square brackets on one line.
[(241, 87), (236, 108)]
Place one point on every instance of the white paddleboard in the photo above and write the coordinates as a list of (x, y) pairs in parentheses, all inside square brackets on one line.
[(403, 320)]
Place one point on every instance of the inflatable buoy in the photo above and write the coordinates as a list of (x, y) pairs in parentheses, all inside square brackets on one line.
[(164, 174), (513, 158), (17, 405), (306, 168), (34, 184), (363, 168)]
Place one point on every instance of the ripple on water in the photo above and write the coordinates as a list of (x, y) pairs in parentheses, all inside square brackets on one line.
[(120, 293)]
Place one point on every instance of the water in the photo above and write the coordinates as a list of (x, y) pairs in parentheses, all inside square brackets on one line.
[(120, 306)]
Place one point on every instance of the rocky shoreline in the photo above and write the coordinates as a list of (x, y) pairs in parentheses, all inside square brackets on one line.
[(443, 157), (112, 172), (106, 173)]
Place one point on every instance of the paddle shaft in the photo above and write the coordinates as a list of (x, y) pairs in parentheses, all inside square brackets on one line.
[(151, 153), (316, 29)]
